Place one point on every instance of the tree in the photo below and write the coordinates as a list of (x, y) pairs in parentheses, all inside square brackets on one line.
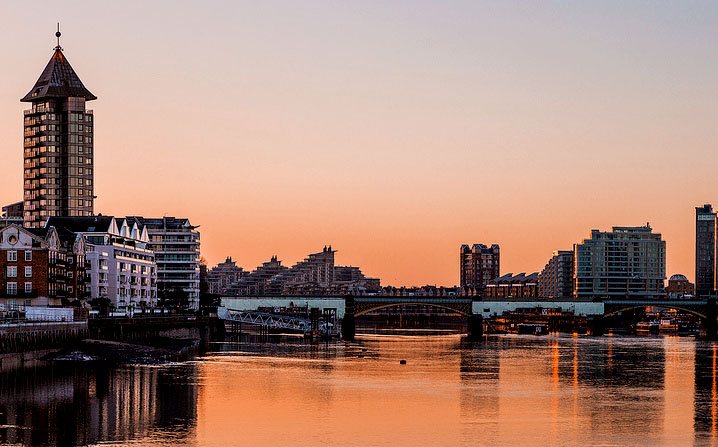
[(102, 305), (173, 298)]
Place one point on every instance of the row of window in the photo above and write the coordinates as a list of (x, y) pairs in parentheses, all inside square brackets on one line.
[(31, 152), (12, 288), (12, 255), (12, 271)]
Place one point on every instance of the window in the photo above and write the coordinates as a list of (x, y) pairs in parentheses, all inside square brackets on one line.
[(12, 255), (11, 271), (12, 288), (28, 271), (28, 287), (28, 255)]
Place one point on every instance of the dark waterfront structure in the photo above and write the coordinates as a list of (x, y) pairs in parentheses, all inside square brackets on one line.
[(624, 262), (705, 250), (478, 264), (58, 146), (556, 279)]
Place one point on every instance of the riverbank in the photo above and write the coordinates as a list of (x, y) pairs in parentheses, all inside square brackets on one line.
[(157, 350)]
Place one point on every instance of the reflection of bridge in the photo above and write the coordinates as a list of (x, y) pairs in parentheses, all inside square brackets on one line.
[(348, 308)]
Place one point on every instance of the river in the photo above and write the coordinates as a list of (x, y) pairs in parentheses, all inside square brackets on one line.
[(509, 390)]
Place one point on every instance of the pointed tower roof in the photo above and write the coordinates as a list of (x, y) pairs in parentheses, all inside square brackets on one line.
[(58, 80)]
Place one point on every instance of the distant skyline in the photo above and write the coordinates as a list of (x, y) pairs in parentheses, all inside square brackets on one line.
[(394, 131)]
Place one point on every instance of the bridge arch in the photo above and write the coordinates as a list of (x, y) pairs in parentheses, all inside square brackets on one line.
[(371, 307), (612, 311)]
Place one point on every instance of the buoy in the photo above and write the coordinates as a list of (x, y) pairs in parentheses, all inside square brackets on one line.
[(402, 362)]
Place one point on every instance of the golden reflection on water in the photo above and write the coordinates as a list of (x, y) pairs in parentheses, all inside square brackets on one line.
[(714, 411), (506, 392)]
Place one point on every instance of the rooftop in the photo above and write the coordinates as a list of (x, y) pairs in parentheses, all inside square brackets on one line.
[(58, 80)]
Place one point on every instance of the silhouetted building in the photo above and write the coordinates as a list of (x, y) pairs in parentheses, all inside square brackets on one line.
[(705, 250), (223, 275), (628, 261), (513, 286), (679, 286), (315, 275), (478, 264), (556, 279), (351, 280), (257, 282), (58, 146)]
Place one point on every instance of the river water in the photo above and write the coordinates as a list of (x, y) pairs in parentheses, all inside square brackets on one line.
[(509, 390)]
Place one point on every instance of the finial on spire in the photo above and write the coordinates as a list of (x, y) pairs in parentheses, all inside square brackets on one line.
[(58, 34)]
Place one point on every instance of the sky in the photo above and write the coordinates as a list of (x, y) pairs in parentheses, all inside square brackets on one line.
[(394, 131)]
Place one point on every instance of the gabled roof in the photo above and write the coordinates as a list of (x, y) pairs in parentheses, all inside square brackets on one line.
[(90, 224), (58, 80)]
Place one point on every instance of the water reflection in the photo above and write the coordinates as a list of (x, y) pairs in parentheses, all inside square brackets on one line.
[(506, 391), (61, 405), (706, 392)]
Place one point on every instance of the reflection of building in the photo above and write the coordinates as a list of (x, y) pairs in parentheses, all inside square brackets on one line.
[(122, 267), (224, 274), (478, 264), (556, 279), (705, 250), (89, 406), (175, 242), (58, 167), (315, 275), (40, 266), (622, 262), (513, 286), (678, 286)]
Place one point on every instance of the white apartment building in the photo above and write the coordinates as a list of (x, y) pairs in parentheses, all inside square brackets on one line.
[(121, 266), (175, 242)]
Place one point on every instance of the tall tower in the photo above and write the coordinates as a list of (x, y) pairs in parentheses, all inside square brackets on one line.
[(705, 250), (58, 157)]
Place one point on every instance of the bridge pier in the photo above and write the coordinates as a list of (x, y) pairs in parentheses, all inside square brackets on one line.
[(596, 326), (710, 324), (476, 327), (348, 322)]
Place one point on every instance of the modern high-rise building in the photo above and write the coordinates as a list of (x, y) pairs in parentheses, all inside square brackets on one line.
[(628, 261), (705, 250), (175, 242), (556, 278), (58, 145), (478, 264)]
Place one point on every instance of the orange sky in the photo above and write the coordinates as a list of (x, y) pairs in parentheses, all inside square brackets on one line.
[(394, 132)]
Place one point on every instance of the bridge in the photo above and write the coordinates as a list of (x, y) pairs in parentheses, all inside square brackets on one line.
[(348, 308), (324, 323), (265, 319)]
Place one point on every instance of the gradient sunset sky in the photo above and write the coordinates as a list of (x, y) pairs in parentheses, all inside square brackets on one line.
[(392, 130)]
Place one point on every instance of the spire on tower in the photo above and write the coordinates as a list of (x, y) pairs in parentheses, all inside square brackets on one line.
[(58, 34)]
